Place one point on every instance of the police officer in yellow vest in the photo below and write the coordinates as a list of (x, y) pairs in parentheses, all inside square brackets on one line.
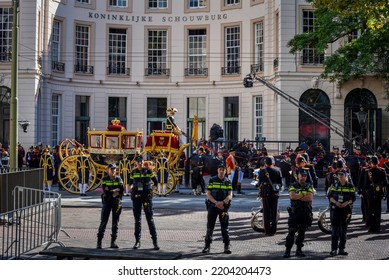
[(112, 202), (300, 213), (219, 196), (47, 163), (142, 197), (341, 195)]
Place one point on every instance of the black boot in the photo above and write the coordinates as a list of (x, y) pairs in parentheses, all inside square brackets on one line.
[(155, 244), (227, 248), (99, 240), (137, 244), (239, 188), (114, 245), (287, 253), (299, 253), (207, 247)]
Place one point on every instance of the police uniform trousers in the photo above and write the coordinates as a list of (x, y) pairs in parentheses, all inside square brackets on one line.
[(213, 213), (270, 212), (298, 222), (105, 211), (374, 211), (147, 204), (340, 218)]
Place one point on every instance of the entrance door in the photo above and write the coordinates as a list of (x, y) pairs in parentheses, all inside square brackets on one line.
[(362, 119), (312, 129)]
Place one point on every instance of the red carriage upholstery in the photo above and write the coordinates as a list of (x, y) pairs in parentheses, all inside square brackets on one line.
[(162, 140)]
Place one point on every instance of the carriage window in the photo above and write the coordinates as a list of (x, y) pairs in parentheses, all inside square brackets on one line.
[(128, 142), (111, 142), (95, 141), (140, 141)]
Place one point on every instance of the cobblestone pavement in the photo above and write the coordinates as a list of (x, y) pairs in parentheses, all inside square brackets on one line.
[(182, 231)]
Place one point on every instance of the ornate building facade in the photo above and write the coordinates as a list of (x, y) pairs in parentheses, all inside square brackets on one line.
[(83, 63)]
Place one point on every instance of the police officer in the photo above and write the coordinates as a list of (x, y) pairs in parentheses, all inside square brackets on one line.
[(219, 196), (376, 184), (270, 184), (142, 197), (341, 195), (112, 186), (300, 213)]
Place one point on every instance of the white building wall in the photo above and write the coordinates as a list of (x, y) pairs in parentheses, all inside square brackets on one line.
[(280, 119)]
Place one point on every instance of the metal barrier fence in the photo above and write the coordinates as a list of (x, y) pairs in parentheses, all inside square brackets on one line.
[(34, 222)]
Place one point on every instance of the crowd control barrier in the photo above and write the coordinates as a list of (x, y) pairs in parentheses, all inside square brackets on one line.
[(34, 222)]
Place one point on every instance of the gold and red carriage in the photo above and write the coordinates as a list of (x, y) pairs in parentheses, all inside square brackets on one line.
[(104, 147), (113, 146), (164, 144)]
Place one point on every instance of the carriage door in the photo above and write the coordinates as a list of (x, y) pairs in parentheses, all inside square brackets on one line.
[(362, 118), (311, 129)]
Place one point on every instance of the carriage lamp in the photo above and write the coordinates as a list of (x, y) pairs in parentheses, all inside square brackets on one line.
[(362, 116)]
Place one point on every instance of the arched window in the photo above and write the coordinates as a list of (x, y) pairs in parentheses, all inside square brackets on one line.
[(311, 129), (367, 127)]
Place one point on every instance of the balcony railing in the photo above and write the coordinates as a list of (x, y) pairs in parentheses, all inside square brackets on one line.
[(232, 70), (157, 72), (86, 69), (5, 57), (196, 72), (58, 66), (113, 70)]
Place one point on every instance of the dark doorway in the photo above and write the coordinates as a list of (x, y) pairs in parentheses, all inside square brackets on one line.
[(311, 130), (362, 118)]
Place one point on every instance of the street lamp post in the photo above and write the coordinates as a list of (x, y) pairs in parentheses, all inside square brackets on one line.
[(14, 90)]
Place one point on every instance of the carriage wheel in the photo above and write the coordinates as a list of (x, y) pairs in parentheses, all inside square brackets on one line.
[(98, 180), (67, 148), (68, 176), (171, 184)]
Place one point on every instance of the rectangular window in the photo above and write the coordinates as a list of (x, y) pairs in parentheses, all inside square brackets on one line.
[(83, 1), (309, 54), (258, 117), (82, 118), (117, 109), (231, 119), (197, 53), (232, 50), (156, 114), (55, 119), (157, 4), (6, 23), (82, 49), (197, 3), (56, 63), (157, 53), (118, 3), (258, 47), (231, 2), (117, 52)]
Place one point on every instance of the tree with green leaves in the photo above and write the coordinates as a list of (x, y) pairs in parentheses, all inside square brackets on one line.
[(361, 30)]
